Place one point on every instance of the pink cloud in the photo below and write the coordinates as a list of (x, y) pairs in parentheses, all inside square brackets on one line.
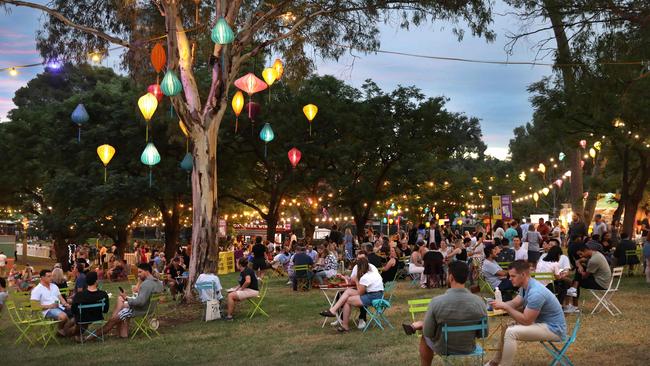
[(5, 102), (6, 33), (11, 84), (19, 52), (20, 44)]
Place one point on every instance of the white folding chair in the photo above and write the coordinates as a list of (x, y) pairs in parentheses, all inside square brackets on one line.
[(606, 299)]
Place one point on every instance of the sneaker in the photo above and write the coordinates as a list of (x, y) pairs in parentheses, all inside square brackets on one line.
[(572, 292), (571, 309), (362, 324), (334, 323), (289, 283)]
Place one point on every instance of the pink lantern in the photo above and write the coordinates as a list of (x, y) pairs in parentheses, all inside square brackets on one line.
[(582, 163), (585, 195), (583, 143), (253, 109), (294, 156), (250, 84), (559, 183), (156, 91)]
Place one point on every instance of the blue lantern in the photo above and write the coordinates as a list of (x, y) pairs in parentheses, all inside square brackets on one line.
[(170, 84), (222, 33), (150, 157), (79, 116), (187, 163), (267, 135)]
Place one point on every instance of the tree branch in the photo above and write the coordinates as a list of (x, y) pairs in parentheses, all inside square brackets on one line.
[(57, 15)]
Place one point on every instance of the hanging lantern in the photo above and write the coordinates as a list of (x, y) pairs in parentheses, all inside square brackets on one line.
[(541, 168), (79, 116), (150, 157), (561, 156), (222, 33), (522, 176), (582, 163), (170, 84), (279, 68), (568, 173), (390, 221), (310, 112), (270, 75), (598, 145), (583, 143), (187, 163), (105, 153), (427, 224), (385, 220), (535, 197), (559, 183), (546, 191), (253, 109), (585, 195), (592, 153), (237, 106), (267, 135), (156, 91), (183, 128), (294, 156), (158, 57), (250, 84), (148, 104)]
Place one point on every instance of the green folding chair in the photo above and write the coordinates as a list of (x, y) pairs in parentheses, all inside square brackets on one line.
[(484, 285), (479, 326), (559, 353), (417, 306), (544, 276), (144, 323), (85, 329), (21, 322), (631, 257), (256, 302), (504, 265), (45, 329), (303, 282)]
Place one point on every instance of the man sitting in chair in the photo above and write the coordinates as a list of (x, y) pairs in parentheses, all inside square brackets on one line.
[(592, 272), (541, 320), (494, 274), (90, 295), (445, 308), (131, 307)]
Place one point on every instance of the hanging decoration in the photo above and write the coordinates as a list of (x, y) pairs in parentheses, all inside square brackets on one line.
[(582, 163), (522, 176), (294, 156), (598, 145), (150, 157), (592, 153), (187, 164), (158, 57), (310, 112), (270, 75), (186, 133), (542, 168), (147, 104), (250, 84), (170, 84), (583, 143), (156, 91), (222, 33), (237, 106), (79, 116), (105, 153), (561, 156), (279, 68), (535, 197), (559, 183), (267, 135), (546, 191)]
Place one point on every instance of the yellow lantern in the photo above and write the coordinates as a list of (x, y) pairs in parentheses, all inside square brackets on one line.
[(105, 153), (535, 197), (542, 168), (147, 104), (462, 213), (310, 112), (427, 224), (592, 153), (598, 145), (237, 106), (390, 221), (459, 222), (545, 190), (270, 75), (522, 176), (279, 68), (181, 124)]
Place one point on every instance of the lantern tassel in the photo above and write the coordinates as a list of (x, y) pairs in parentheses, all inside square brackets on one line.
[(265, 145), (236, 123), (150, 177), (79, 134), (187, 145), (309, 128), (104, 174), (171, 111), (146, 134)]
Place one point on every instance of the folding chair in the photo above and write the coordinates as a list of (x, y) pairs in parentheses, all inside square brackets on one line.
[(131, 278), (206, 286), (544, 276), (144, 323), (606, 299), (631, 260), (376, 314), (504, 265), (256, 302), (45, 329), (480, 326), (21, 322), (84, 326), (418, 306), (559, 354), (301, 276), (484, 285)]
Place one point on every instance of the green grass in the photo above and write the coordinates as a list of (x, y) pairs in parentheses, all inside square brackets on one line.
[(293, 336)]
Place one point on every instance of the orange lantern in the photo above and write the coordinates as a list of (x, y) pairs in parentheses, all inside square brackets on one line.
[(279, 68), (158, 57), (237, 106)]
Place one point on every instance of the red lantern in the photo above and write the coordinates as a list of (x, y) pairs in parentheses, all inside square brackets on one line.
[(294, 156), (156, 91), (250, 84), (253, 109), (158, 57)]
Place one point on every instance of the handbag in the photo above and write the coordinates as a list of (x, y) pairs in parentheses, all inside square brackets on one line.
[(212, 310)]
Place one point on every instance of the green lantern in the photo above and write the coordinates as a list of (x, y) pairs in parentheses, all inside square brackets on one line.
[(150, 157), (222, 33), (170, 84), (267, 135)]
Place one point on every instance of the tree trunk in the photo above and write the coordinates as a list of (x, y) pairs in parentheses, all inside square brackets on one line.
[(61, 251), (635, 197), (360, 222), (121, 240), (271, 226), (172, 227)]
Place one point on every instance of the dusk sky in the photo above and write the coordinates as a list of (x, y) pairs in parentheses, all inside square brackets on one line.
[(494, 93)]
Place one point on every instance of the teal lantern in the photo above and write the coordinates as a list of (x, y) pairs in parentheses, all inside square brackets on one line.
[(187, 164), (170, 84), (150, 157), (267, 135), (222, 33), (79, 116)]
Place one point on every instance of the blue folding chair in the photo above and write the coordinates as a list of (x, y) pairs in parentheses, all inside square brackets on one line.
[(84, 326), (479, 326), (559, 354), (376, 314)]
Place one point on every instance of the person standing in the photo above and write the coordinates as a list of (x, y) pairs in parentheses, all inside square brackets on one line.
[(3, 263), (577, 228), (600, 227), (259, 257), (534, 239), (543, 229), (511, 232), (646, 256)]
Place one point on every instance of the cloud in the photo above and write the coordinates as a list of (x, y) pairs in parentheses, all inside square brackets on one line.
[(500, 153), (11, 85), (6, 33), (19, 52)]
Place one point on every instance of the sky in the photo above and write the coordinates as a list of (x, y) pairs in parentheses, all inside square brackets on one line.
[(496, 94)]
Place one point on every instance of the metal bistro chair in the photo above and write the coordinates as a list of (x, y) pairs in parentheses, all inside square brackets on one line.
[(418, 306), (145, 323), (606, 299), (301, 277), (84, 326), (559, 354), (480, 326), (544, 276)]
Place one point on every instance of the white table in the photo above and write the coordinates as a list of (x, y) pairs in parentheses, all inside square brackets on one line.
[(334, 291)]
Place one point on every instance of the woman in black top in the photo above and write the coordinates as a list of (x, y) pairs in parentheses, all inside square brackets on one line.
[(389, 270)]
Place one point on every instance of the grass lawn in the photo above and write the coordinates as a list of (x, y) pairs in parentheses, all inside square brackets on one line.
[(293, 336)]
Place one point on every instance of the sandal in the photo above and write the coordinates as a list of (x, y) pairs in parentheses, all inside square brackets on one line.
[(328, 314), (340, 329)]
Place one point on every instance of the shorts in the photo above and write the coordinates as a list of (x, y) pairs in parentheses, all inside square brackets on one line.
[(125, 313), (259, 264), (366, 299), (246, 293), (53, 313)]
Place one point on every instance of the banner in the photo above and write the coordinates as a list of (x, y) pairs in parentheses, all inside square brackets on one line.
[(506, 207), (496, 208)]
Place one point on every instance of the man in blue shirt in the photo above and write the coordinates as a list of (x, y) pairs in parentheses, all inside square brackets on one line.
[(541, 320)]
